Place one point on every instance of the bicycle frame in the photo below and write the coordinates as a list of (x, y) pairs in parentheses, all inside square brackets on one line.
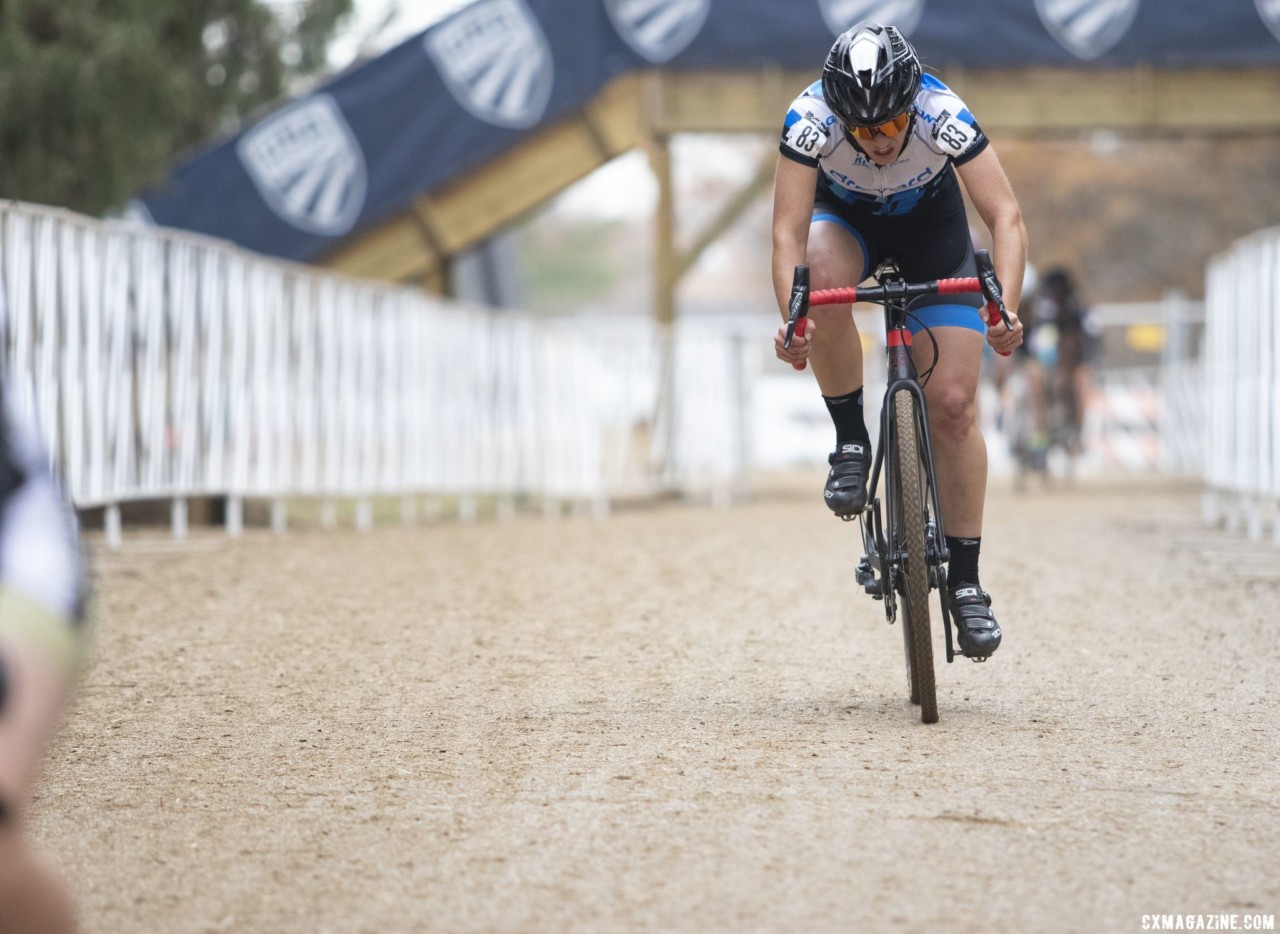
[(895, 294), (902, 375), (905, 552)]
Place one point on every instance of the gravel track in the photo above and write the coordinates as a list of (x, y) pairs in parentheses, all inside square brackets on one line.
[(676, 720)]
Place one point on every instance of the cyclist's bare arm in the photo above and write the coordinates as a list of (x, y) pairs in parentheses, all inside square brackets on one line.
[(992, 195), (793, 188)]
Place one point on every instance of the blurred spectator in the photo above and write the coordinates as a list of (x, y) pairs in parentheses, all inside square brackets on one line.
[(41, 640)]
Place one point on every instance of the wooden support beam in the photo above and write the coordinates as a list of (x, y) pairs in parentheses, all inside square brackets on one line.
[(394, 251), (727, 102), (728, 215), (1032, 101), (467, 211), (1132, 101), (664, 232)]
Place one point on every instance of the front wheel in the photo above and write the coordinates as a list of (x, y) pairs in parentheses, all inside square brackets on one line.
[(908, 541)]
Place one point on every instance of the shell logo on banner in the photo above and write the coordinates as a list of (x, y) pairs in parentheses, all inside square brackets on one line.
[(1087, 28), (844, 14), (308, 166), (658, 29), (1269, 10), (496, 61)]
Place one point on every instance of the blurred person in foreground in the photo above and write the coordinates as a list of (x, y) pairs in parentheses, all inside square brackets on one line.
[(41, 642), (1065, 341), (868, 171)]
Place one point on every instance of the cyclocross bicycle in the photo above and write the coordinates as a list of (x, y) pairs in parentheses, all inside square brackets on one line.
[(905, 554)]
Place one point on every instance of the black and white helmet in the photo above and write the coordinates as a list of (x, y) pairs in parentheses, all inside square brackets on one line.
[(872, 75)]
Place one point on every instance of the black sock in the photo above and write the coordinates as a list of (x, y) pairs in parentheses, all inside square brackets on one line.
[(963, 568), (846, 415)]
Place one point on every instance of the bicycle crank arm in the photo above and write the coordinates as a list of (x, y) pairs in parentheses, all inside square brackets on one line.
[(946, 622)]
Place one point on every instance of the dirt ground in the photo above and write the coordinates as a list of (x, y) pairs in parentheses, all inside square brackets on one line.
[(679, 720)]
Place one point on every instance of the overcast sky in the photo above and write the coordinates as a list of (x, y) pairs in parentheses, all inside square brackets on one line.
[(380, 24)]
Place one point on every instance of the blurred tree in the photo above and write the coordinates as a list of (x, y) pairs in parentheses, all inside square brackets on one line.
[(98, 96)]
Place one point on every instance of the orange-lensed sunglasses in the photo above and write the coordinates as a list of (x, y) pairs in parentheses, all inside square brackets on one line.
[(890, 129)]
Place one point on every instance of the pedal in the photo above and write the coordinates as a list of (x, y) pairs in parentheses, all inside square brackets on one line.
[(866, 576)]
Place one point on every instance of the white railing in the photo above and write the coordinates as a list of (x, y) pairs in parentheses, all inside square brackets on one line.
[(1182, 389), (1242, 370), (162, 366)]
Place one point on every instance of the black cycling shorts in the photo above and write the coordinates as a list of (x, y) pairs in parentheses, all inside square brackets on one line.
[(924, 247)]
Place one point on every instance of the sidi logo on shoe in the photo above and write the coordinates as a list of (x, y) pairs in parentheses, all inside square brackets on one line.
[(967, 592), (851, 449)]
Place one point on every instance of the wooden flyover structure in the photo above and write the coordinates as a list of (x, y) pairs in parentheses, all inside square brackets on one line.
[(647, 109)]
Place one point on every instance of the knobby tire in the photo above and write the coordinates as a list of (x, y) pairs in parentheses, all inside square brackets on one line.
[(914, 605)]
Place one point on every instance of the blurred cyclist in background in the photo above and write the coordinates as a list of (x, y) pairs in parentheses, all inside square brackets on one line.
[(41, 641), (1064, 342), (868, 171)]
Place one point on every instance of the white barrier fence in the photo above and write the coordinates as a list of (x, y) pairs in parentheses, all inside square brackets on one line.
[(164, 366), (1242, 371)]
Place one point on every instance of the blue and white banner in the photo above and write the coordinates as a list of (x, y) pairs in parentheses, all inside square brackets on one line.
[(495, 59), (357, 150)]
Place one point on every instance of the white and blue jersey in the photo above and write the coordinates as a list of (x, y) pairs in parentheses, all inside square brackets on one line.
[(910, 211), (942, 132)]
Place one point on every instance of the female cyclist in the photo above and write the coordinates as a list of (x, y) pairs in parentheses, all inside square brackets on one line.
[(868, 169)]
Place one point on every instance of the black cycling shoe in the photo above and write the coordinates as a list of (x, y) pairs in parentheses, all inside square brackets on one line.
[(846, 490), (976, 625)]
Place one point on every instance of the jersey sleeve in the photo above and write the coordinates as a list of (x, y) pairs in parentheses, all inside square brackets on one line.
[(955, 132), (807, 134)]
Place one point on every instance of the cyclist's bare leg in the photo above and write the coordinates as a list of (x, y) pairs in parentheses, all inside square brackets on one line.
[(31, 712), (32, 896), (835, 261), (961, 461), (960, 452)]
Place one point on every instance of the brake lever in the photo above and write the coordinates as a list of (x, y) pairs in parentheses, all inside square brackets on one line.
[(797, 308), (991, 291)]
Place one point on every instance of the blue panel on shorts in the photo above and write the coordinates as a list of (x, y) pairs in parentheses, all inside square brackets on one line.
[(945, 316)]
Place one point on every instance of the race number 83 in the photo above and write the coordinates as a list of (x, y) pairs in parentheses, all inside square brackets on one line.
[(955, 135), (806, 136)]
